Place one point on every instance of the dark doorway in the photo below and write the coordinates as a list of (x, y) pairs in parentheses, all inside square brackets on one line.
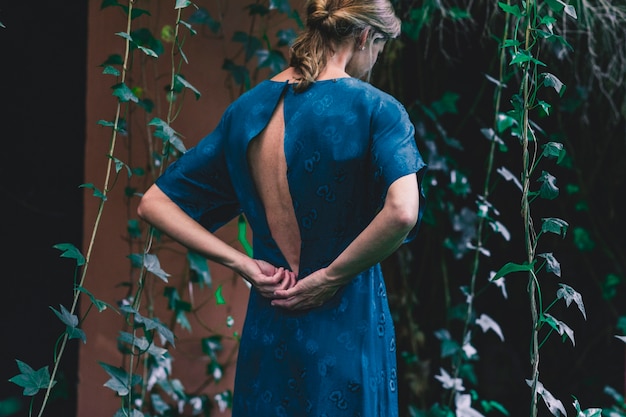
[(42, 121)]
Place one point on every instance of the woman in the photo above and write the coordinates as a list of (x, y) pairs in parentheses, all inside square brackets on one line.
[(325, 168)]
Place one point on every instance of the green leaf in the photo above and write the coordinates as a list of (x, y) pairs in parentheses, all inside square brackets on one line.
[(554, 225), (160, 406), (152, 264), (569, 294), (251, 43), (154, 324), (100, 305), (609, 288), (119, 165), (243, 239), (70, 251), (548, 189), (446, 104), (179, 78), (70, 321), (552, 265), (510, 268), (219, 298), (212, 345), (199, 265), (203, 17), (143, 345), (165, 132), (240, 74), (108, 3), (96, 192), (514, 10), (286, 36), (583, 240), (108, 70), (181, 4), (562, 328), (120, 381), (282, 6), (29, 379), (274, 60), (590, 412), (124, 94), (554, 150), (522, 56), (550, 80)]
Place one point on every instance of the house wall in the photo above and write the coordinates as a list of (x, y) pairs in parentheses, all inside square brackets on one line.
[(109, 271)]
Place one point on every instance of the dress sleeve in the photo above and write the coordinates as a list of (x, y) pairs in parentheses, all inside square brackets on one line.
[(199, 182), (394, 152)]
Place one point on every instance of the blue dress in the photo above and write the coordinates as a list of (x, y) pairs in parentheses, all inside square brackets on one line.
[(345, 143)]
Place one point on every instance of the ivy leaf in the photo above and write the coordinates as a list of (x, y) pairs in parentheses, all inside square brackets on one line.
[(29, 379), (511, 267), (569, 294), (554, 225), (554, 150), (203, 17), (100, 305), (70, 321), (96, 192), (219, 298), (286, 37), (71, 251), (250, 43), (181, 4), (552, 265), (463, 403), (282, 6), (124, 94), (550, 80), (155, 324), (555, 406), (274, 60), (179, 78), (143, 345), (120, 381), (199, 265), (447, 382), (583, 240), (562, 328), (548, 189), (590, 412), (508, 175), (152, 264), (514, 10), (240, 74), (167, 133), (486, 323)]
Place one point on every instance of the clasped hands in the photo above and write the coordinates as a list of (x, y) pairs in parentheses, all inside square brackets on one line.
[(281, 286)]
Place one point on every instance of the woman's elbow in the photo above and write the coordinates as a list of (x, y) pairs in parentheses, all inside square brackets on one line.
[(406, 216)]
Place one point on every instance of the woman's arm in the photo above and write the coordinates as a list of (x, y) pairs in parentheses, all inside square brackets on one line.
[(376, 242), (160, 211)]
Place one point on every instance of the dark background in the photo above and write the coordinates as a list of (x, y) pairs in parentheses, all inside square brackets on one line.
[(43, 51)]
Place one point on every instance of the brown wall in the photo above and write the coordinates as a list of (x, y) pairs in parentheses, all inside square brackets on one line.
[(109, 267)]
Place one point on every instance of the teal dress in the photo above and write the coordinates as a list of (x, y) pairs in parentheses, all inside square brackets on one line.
[(345, 143)]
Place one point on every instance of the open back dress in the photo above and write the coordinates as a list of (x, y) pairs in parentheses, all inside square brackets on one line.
[(345, 143)]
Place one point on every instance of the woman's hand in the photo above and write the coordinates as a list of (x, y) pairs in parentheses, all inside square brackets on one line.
[(309, 292), (266, 278)]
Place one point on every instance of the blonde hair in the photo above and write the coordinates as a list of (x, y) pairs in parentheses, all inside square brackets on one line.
[(331, 22)]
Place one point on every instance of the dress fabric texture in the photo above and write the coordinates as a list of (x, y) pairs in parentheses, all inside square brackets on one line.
[(345, 142)]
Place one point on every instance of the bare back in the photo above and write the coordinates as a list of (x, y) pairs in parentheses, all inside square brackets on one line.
[(266, 159)]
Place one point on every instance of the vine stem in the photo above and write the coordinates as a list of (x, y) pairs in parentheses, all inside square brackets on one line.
[(57, 359), (526, 218), (481, 221)]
